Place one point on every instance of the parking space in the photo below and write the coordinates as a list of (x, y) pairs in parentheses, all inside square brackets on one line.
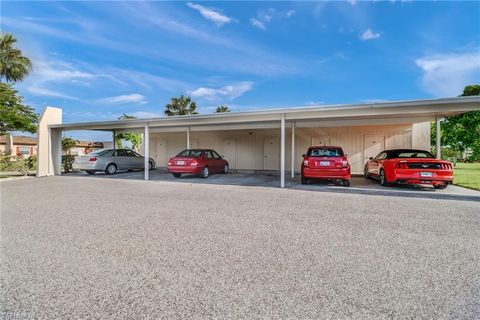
[(270, 179)]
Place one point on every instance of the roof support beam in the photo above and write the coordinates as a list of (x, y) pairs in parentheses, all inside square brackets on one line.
[(146, 151)]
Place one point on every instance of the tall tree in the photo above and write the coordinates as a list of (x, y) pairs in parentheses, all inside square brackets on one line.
[(181, 106), (15, 116), (222, 109), (134, 138), (461, 133), (14, 66), (67, 144)]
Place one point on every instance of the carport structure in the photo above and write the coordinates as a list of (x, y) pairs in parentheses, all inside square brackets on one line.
[(261, 140)]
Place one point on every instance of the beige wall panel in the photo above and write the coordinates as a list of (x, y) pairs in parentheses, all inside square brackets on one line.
[(250, 143), (421, 136)]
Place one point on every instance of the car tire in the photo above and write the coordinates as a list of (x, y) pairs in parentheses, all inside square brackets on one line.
[(111, 169), (90, 171), (304, 180), (150, 165), (365, 172), (440, 186), (225, 169), (177, 175), (346, 183), (205, 173), (383, 178)]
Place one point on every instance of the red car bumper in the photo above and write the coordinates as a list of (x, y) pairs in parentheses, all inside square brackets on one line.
[(409, 176), (185, 169), (331, 173)]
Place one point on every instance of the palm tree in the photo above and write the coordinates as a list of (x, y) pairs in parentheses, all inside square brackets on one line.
[(181, 106), (222, 109), (13, 65)]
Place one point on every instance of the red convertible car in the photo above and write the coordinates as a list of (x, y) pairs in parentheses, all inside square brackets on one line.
[(197, 161), (328, 163), (407, 166)]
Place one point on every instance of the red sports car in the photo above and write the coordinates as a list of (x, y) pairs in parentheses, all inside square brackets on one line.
[(197, 161), (328, 163), (409, 166)]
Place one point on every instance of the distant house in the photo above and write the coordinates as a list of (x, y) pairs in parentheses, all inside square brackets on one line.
[(27, 146)]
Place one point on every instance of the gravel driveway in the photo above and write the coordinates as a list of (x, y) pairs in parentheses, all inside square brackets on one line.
[(74, 248)]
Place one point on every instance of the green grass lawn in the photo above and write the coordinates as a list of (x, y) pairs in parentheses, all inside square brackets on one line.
[(467, 175)]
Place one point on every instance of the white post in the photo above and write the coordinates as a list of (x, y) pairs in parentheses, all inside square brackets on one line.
[(113, 137), (438, 138), (146, 151), (293, 149), (282, 152), (188, 137)]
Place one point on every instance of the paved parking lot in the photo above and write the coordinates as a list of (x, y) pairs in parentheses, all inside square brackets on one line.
[(74, 248), (360, 185)]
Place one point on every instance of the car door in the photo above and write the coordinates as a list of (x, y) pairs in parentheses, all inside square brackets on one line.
[(376, 163), (210, 161), (219, 161), (120, 159), (135, 161)]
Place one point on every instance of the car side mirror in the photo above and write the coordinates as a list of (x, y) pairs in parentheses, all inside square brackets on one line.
[(303, 155), (371, 158)]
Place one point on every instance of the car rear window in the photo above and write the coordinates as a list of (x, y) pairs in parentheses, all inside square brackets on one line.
[(325, 152), (99, 153), (190, 153), (412, 154)]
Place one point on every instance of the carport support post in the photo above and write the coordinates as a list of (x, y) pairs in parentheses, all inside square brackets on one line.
[(438, 138), (188, 137), (113, 138), (293, 150), (282, 151), (146, 150)]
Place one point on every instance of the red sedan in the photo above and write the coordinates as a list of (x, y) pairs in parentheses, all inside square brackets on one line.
[(409, 166), (328, 163), (197, 161)]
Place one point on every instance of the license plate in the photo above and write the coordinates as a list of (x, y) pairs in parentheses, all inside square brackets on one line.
[(425, 174), (324, 163), (181, 163)]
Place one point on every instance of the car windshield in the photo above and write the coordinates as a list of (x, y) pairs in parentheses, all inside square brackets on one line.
[(99, 153), (190, 153), (325, 152), (411, 154)]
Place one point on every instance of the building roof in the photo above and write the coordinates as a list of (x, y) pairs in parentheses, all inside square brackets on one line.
[(88, 144), (20, 140), (407, 111)]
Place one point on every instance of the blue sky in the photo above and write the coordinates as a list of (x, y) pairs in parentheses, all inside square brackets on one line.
[(97, 60)]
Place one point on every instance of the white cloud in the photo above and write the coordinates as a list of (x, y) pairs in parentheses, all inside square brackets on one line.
[(134, 98), (369, 35), (146, 114), (210, 14), (352, 2), (290, 13), (40, 91), (228, 92), (257, 23), (445, 75)]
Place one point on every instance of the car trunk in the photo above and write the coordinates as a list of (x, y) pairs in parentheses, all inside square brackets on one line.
[(324, 162), (83, 159), (182, 161)]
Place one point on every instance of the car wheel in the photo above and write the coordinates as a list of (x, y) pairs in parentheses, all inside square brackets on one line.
[(383, 179), (304, 180), (90, 171), (205, 173), (111, 168), (225, 169), (365, 172), (177, 175), (150, 165), (346, 183), (440, 186)]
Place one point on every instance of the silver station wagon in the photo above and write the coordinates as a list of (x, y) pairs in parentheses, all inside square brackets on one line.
[(110, 161)]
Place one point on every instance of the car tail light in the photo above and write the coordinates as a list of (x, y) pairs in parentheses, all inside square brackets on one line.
[(344, 163), (169, 163), (446, 166), (92, 159), (305, 163), (402, 165)]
